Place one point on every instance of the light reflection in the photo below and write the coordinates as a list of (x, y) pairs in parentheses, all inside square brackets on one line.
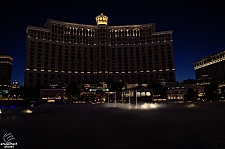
[(27, 111), (149, 106), (3, 107), (191, 105), (139, 106)]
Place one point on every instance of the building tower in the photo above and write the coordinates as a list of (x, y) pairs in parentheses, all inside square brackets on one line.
[(63, 52), (5, 70)]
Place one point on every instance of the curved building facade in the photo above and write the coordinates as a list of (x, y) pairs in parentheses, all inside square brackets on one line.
[(212, 66), (64, 52)]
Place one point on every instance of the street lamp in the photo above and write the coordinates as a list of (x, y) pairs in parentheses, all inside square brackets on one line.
[(136, 97), (122, 96), (129, 96), (108, 97), (115, 98)]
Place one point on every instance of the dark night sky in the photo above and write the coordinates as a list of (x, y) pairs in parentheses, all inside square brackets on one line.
[(198, 27)]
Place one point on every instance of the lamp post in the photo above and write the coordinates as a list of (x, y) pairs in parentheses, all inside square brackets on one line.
[(129, 96), (108, 98), (115, 96), (122, 96), (136, 97)]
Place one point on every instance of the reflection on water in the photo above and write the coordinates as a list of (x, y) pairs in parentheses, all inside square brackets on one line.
[(147, 106), (190, 105), (27, 111), (139, 106), (117, 125)]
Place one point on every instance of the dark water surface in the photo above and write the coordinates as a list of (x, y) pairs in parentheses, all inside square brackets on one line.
[(117, 126)]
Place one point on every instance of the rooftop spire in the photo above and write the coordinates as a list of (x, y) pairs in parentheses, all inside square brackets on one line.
[(101, 19)]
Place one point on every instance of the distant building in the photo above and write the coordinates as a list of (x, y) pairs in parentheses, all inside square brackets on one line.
[(13, 91), (5, 70), (63, 52), (175, 94), (139, 93), (15, 85), (53, 93), (212, 66)]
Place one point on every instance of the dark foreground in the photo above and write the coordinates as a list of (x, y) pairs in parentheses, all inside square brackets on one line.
[(103, 126)]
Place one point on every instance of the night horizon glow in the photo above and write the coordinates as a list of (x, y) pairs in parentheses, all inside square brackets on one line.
[(198, 29)]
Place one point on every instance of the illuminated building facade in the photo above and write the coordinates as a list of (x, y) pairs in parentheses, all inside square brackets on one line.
[(212, 66), (64, 52), (5, 70)]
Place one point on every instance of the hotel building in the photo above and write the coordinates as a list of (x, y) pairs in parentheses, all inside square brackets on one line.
[(64, 52), (5, 70), (212, 66)]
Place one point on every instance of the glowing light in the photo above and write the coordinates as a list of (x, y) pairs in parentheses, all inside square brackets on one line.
[(128, 106), (102, 19), (50, 100), (149, 106), (27, 111), (148, 94)]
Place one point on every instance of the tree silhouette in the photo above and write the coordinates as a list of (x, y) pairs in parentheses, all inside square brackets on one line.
[(72, 90), (211, 92), (118, 87), (191, 94), (157, 89)]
